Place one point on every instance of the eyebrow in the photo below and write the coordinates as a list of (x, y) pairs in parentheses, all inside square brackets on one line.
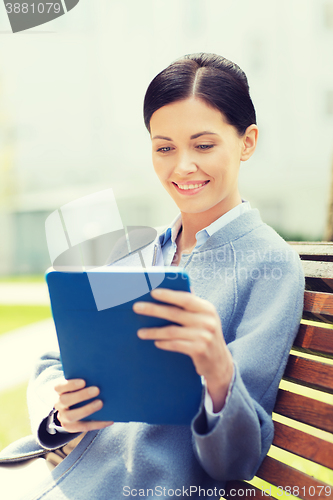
[(194, 136)]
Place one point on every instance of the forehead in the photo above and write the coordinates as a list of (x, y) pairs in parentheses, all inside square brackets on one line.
[(189, 115)]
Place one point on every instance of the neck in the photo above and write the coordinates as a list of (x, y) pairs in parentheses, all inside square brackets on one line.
[(194, 222)]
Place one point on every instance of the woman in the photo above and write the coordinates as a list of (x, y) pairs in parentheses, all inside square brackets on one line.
[(237, 326)]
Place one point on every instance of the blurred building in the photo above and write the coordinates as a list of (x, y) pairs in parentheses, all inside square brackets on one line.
[(71, 95)]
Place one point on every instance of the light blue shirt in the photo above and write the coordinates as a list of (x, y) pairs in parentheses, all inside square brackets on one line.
[(168, 238)]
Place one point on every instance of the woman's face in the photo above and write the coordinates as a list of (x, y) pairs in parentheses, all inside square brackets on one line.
[(196, 155)]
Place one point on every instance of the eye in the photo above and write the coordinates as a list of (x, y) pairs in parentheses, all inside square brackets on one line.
[(165, 149), (205, 146)]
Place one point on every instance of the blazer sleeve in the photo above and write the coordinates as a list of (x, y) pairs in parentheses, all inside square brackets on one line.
[(263, 326), (41, 398)]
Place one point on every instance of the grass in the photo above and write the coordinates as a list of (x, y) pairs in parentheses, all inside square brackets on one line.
[(15, 316)]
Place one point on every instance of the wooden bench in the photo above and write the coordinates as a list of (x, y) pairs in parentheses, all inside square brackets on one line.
[(314, 371)]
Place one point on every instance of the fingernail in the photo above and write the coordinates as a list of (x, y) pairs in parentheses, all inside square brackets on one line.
[(97, 403), (142, 332), (93, 391), (157, 291), (139, 306)]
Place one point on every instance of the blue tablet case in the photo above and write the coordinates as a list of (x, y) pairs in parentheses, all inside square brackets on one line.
[(138, 381)]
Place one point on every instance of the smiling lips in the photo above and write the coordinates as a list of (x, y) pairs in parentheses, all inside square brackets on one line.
[(190, 188)]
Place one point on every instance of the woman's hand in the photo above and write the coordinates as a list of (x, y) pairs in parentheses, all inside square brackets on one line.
[(199, 336), (71, 392)]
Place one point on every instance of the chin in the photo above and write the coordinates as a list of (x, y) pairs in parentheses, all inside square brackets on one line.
[(194, 210)]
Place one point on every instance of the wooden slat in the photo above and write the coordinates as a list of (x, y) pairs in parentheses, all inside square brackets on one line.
[(244, 490), (304, 445), (280, 474), (318, 269), (305, 410), (318, 305), (313, 249), (319, 251), (317, 261), (309, 373), (315, 340), (318, 285), (318, 302)]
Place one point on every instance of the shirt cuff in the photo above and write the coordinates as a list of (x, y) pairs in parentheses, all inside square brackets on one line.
[(212, 417), (53, 425)]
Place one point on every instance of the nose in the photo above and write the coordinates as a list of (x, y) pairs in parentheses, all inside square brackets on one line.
[(185, 164)]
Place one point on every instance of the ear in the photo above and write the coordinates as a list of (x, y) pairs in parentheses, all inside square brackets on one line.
[(249, 141)]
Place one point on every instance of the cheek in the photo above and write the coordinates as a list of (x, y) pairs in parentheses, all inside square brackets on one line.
[(221, 165), (157, 167), (162, 168), (214, 165)]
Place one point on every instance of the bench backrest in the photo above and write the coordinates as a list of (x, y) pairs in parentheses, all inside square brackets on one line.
[(310, 367)]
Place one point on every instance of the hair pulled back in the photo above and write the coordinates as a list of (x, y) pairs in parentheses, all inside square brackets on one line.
[(215, 79)]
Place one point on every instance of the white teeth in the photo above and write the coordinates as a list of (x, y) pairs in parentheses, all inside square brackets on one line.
[(190, 186)]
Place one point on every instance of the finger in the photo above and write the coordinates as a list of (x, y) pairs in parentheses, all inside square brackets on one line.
[(204, 320), (198, 350), (186, 300), (69, 385), (68, 399), (194, 343), (68, 416), (171, 333), (182, 346), (171, 313)]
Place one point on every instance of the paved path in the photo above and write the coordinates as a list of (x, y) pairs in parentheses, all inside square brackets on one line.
[(20, 348)]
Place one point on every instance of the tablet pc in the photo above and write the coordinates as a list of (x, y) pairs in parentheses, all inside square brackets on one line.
[(138, 381)]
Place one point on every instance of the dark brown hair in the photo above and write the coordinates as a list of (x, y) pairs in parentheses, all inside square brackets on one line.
[(219, 82)]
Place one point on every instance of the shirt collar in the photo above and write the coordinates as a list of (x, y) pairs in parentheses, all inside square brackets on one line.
[(172, 231), (201, 236), (227, 217)]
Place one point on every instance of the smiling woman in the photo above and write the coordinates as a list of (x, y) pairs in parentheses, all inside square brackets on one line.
[(237, 326), (199, 169), (202, 126)]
